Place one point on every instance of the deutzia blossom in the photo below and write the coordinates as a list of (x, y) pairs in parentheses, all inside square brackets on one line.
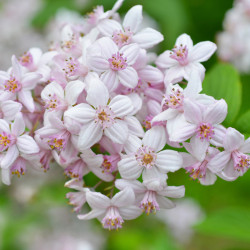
[(128, 32), (145, 155), (115, 64), (13, 141), (111, 212), (17, 84), (234, 161), (185, 58), (101, 116)]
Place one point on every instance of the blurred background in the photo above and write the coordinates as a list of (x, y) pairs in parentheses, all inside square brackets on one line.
[(33, 211)]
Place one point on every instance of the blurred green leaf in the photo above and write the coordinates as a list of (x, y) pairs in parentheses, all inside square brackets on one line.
[(229, 222), (50, 7), (223, 81), (243, 123)]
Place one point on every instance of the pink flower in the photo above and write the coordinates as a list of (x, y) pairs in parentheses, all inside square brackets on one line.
[(37, 61), (115, 64), (234, 161), (57, 99), (197, 163), (128, 32), (9, 109), (112, 212), (200, 121), (77, 199), (19, 166), (151, 197), (13, 141), (185, 58), (18, 85), (146, 155), (100, 117)]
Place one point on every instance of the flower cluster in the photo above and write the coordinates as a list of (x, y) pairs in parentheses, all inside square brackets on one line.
[(233, 42), (95, 104)]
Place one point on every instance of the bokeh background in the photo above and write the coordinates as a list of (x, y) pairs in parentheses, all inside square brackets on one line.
[(33, 211)]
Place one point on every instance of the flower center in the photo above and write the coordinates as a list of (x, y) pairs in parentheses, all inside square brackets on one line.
[(59, 141), (6, 140), (180, 54), (112, 219), (174, 100), (26, 59), (12, 85), (19, 167), (117, 62), (198, 170), (241, 161), (75, 170), (54, 103), (149, 203), (71, 67), (146, 157), (122, 38), (205, 131), (105, 116)]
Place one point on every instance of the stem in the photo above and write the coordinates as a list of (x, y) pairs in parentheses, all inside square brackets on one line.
[(98, 184)]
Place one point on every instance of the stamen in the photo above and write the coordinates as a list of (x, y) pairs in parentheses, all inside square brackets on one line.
[(117, 62)]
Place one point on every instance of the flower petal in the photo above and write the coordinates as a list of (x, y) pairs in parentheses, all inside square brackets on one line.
[(91, 215), (89, 135), (245, 147), (137, 186), (25, 97), (108, 26), (110, 79), (10, 109), (219, 161), (118, 132), (72, 91), (216, 113), (97, 200), (179, 129), (82, 113), (27, 145), (132, 144), (97, 92), (168, 161), (202, 51), (98, 63), (173, 192), (133, 18), (129, 168), (6, 176), (155, 138), (147, 38), (10, 157), (128, 77), (164, 202), (184, 39), (18, 126), (130, 213), (126, 197), (233, 139), (164, 60), (121, 105), (192, 111)]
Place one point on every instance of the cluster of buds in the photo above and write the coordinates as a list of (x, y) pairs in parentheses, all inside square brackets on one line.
[(233, 42), (95, 104)]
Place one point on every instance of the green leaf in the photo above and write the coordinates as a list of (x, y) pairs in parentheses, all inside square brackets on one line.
[(243, 123), (229, 222), (223, 81)]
